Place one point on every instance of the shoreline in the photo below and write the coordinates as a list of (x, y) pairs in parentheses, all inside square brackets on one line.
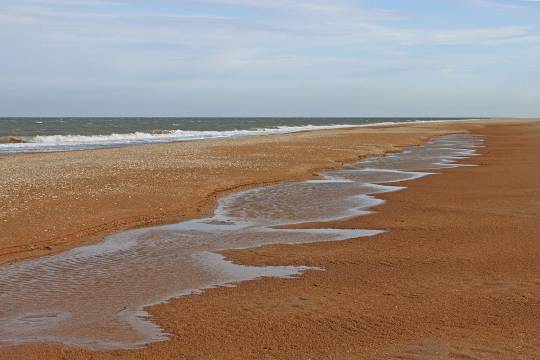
[(162, 313), (51, 240), (156, 139)]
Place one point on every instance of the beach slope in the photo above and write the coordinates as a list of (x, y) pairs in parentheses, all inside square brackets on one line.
[(455, 277)]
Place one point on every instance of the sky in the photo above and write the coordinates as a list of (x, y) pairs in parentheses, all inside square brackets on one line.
[(269, 58)]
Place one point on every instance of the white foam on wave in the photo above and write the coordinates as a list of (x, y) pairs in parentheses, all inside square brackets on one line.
[(78, 142), (173, 135)]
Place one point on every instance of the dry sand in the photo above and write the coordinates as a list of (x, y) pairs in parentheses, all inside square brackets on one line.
[(457, 276)]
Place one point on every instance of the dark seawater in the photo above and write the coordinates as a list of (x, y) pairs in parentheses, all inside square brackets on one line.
[(65, 134)]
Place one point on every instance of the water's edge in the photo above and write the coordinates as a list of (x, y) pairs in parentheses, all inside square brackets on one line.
[(58, 140)]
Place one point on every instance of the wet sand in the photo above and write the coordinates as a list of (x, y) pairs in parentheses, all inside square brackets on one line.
[(456, 276)]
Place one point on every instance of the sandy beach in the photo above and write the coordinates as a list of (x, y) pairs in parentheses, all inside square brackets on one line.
[(54, 201), (456, 276)]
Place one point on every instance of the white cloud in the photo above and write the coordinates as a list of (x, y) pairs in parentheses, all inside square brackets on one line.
[(93, 46)]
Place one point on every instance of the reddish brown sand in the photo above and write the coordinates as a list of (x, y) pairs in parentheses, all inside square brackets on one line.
[(51, 202), (456, 277)]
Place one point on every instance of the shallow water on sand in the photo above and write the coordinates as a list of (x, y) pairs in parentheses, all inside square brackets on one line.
[(94, 296)]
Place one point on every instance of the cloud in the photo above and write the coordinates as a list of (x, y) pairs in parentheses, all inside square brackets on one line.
[(121, 48), (332, 22)]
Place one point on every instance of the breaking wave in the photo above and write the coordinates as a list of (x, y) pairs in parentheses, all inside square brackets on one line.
[(48, 143), (80, 142)]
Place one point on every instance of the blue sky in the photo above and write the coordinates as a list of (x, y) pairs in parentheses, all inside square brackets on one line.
[(270, 58)]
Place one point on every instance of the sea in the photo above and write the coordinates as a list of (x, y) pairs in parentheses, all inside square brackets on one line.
[(37, 134)]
